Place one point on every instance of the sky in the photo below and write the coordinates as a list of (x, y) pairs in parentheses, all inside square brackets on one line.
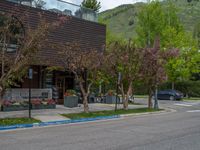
[(109, 4)]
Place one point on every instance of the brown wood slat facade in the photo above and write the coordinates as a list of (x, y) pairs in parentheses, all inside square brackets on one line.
[(90, 35)]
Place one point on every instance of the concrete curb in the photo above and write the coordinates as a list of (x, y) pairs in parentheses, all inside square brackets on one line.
[(44, 124), (165, 111), (73, 121)]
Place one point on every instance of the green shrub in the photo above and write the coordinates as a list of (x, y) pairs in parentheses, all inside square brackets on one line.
[(189, 88)]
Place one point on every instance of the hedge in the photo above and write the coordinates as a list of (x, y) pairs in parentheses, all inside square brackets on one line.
[(189, 88)]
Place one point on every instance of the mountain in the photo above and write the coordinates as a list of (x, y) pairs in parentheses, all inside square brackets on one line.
[(122, 20)]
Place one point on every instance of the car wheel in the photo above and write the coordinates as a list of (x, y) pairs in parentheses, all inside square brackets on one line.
[(171, 98)]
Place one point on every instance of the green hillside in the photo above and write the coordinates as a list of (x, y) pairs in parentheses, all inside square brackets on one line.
[(122, 20)]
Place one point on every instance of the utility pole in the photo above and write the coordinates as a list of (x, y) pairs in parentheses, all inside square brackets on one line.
[(30, 76)]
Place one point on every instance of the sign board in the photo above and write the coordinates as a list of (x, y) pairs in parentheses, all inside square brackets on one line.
[(21, 94), (30, 73)]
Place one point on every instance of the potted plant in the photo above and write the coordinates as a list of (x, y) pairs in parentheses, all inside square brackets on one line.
[(36, 103), (70, 99), (43, 104), (24, 104), (51, 104), (110, 97), (9, 105), (6, 105)]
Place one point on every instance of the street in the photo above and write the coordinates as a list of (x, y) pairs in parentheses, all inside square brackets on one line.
[(178, 130)]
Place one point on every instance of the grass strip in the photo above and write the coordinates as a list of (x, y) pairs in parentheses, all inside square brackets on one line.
[(192, 98), (107, 113), (140, 96), (14, 121)]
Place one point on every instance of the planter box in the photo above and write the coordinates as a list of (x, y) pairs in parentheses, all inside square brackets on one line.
[(52, 106), (111, 100), (14, 108), (20, 107), (71, 101)]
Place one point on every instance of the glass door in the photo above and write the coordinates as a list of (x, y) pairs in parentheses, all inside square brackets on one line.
[(60, 85)]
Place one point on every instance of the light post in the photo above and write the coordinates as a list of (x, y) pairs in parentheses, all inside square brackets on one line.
[(30, 77), (85, 79), (156, 106), (117, 89), (156, 87)]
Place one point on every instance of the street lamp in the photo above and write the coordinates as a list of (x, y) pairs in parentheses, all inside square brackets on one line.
[(30, 77), (117, 89), (85, 75), (156, 106)]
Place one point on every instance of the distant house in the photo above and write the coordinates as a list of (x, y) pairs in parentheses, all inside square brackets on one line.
[(82, 27)]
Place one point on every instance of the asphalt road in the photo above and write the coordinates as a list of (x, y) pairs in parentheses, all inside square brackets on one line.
[(173, 131)]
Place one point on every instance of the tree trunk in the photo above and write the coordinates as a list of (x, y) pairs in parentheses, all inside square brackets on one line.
[(173, 85), (100, 89), (121, 87), (126, 103), (85, 103), (150, 99), (3, 56), (129, 92), (85, 96), (1, 95)]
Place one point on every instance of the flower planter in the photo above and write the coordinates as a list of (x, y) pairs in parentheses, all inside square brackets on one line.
[(14, 108), (42, 106), (21, 107), (71, 101), (111, 100)]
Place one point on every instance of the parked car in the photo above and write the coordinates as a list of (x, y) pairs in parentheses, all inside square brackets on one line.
[(170, 95), (131, 99)]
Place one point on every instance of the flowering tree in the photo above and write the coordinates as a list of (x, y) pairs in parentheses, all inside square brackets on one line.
[(153, 67), (84, 64), (19, 46), (126, 59)]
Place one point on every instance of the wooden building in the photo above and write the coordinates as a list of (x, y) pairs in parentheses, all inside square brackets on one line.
[(82, 27)]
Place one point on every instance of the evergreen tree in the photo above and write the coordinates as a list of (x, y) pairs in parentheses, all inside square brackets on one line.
[(92, 4)]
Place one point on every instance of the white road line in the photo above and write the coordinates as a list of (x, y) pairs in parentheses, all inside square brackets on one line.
[(187, 105), (193, 111)]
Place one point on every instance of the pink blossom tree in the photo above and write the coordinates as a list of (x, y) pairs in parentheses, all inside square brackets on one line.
[(153, 67), (28, 42), (84, 64), (125, 58)]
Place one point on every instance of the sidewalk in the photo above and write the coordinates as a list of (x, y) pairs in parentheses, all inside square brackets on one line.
[(48, 115)]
